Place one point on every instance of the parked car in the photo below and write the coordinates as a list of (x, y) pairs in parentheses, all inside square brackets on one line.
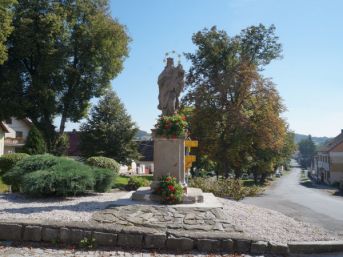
[(277, 174)]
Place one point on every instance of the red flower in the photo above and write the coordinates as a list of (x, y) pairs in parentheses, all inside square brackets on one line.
[(168, 179), (171, 188)]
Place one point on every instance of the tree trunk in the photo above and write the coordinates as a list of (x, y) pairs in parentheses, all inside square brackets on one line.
[(62, 123)]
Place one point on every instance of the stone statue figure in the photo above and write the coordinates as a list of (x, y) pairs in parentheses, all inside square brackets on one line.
[(170, 83)]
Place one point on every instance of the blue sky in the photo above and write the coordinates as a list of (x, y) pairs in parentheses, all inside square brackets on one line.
[(309, 77)]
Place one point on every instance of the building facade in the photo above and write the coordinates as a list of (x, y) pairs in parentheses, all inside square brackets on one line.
[(328, 163), (15, 137), (3, 130)]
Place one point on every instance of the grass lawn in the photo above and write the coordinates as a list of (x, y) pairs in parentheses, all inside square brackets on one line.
[(121, 181), (3, 187)]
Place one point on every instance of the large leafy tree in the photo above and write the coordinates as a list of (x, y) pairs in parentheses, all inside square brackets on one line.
[(62, 54), (268, 131), (109, 131), (224, 86), (6, 12)]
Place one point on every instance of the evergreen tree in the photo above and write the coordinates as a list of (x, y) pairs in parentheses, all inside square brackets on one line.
[(35, 143), (109, 131)]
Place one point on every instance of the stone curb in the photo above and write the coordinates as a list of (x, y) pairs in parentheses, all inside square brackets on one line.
[(142, 238)]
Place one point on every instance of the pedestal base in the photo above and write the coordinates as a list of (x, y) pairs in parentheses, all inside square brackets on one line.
[(193, 195)]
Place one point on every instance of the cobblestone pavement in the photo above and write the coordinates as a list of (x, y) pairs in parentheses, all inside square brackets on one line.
[(41, 250), (165, 217)]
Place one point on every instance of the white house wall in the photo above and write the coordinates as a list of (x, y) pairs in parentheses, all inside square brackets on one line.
[(2, 146), (17, 125)]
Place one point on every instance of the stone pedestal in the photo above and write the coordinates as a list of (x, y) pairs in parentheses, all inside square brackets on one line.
[(169, 159)]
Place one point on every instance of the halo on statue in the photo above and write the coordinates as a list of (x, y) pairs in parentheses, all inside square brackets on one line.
[(173, 54)]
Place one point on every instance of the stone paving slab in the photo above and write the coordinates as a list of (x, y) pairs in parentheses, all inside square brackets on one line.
[(166, 218)]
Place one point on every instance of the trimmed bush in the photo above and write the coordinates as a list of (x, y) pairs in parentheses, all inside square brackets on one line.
[(103, 179), (8, 161), (135, 182), (66, 178), (32, 163), (103, 162)]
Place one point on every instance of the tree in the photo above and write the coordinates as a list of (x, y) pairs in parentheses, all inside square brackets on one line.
[(72, 50), (307, 150), (35, 143), (109, 131), (61, 145), (221, 82), (5, 26), (267, 130)]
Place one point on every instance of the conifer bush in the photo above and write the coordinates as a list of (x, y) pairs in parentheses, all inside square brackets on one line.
[(47, 175), (102, 179), (8, 161), (32, 163), (35, 143)]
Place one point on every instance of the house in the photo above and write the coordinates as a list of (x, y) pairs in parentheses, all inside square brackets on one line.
[(145, 164), (328, 163), (74, 143), (18, 130), (3, 130)]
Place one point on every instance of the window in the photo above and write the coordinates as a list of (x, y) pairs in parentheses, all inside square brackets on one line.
[(19, 134), (8, 121)]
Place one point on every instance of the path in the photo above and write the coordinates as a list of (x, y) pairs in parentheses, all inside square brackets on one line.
[(305, 204)]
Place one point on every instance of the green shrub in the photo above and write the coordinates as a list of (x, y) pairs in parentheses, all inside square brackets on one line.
[(136, 182), (230, 188), (60, 145), (170, 190), (32, 163), (35, 143), (103, 162), (66, 178), (103, 179), (38, 183), (8, 161)]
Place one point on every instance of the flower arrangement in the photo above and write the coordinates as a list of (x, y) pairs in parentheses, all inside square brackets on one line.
[(170, 190), (172, 126)]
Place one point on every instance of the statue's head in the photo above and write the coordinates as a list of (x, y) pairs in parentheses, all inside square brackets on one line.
[(170, 62)]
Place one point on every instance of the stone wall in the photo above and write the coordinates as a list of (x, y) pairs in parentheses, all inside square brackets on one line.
[(133, 238)]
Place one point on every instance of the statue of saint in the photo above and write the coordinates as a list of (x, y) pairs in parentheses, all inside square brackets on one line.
[(170, 83)]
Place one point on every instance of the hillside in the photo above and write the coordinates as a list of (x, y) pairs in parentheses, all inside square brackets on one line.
[(316, 140), (142, 135)]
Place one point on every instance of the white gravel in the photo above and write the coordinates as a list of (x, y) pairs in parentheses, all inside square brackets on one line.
[(16, 206), (272, 225), (254, 221)]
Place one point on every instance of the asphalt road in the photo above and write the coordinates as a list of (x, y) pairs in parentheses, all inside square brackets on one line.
[(309, 205)]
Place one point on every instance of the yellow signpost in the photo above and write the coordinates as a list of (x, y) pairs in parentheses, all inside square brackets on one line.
[(189, 159)]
